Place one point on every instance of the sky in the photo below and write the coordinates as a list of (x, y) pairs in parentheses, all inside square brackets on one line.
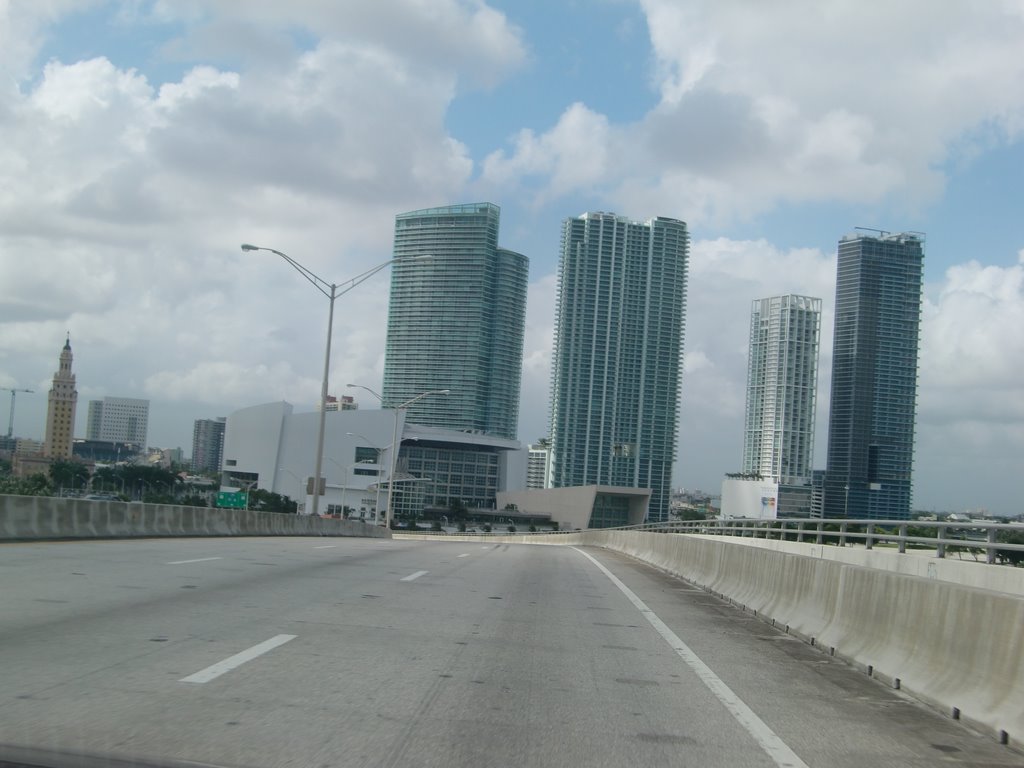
[(144, 140)]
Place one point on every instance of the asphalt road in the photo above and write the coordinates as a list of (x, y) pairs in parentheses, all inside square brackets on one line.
[(355, 652)]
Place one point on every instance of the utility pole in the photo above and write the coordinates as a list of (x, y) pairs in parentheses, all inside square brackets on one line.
[(10, 422)]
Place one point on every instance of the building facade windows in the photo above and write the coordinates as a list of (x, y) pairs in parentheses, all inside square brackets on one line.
[(617, 354), (874, 376)]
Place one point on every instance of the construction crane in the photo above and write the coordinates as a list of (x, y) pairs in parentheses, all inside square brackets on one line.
[(10, 423)]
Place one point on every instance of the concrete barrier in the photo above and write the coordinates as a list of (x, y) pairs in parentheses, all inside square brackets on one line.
[(42, 517), (957, 647)]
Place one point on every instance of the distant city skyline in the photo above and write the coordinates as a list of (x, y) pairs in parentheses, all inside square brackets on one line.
[(140, 152)]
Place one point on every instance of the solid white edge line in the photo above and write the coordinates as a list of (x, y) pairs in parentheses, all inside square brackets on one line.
[(216, 670), (414, 576), (767, 739), (197, 560)]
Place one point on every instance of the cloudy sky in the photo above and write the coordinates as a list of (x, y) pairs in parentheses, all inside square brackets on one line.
[(144, 140)]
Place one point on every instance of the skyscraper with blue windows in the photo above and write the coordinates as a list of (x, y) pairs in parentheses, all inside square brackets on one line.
[(874, 376), (456, 320), (617, 354)]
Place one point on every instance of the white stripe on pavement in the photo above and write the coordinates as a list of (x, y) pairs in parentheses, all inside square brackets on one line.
[(216, 670), (464, 554), (197, 560), (326, 546), (774, 747), (414, 576)]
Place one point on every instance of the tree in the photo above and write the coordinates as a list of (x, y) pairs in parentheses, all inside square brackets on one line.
[(1014, 557), (268, 501), (689, 513), (68, 474), (34, 485)]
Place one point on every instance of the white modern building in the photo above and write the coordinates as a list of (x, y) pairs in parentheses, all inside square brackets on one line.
[(271, 447), (782, 381), (538, 465), (118, 420), (778, 435)]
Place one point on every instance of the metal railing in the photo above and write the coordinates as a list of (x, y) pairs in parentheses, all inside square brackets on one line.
[(941, 537)]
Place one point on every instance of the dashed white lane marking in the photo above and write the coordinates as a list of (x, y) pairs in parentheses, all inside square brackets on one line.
[(464, 554), (414, 576), (326, 546), (197, 560), (767, 739), (216, 670)]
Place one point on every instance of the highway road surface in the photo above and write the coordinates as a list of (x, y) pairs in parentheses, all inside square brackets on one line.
[(357, 652)]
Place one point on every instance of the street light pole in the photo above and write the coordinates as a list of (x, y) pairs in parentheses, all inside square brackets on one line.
[(332, 292), (376, 503), (394, 441), (396, 445)]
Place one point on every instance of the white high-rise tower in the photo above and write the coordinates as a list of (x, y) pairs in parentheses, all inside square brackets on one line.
[(782, 380)]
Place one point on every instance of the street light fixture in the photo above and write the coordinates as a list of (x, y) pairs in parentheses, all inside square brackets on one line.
[(394, 440), (378, 449), (331, 291)]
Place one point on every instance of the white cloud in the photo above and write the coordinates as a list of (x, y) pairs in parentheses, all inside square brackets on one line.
[(972, 347), (769, 103), (123, 201), (573, 155)]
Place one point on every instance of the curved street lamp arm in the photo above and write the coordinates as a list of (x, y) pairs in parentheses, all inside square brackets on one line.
[(407, 403), (372, 392), (317, 282), (330, 290)]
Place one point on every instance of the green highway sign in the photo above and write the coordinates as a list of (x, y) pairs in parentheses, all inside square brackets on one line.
[(232, 499)]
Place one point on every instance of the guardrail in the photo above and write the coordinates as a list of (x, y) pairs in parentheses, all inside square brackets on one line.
[(973, 537)]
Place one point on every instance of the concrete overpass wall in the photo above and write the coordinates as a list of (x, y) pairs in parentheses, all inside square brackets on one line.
[(41, 517), (957, 647)]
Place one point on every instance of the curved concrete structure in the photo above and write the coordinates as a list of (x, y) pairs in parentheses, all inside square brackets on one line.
[(41, 517)]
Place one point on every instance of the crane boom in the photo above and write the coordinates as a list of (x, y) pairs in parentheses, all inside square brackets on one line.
[(10, 422)]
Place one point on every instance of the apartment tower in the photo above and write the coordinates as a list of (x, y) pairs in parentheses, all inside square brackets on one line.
[(874, 376), (455, 320), (617, 353), (782, 380)]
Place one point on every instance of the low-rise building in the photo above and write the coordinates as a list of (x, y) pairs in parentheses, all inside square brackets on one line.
[(273, 448)]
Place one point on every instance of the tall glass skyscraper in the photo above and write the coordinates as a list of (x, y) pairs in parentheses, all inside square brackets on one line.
[(617, 354), (782, 382), (874, 376), (456, 320)]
